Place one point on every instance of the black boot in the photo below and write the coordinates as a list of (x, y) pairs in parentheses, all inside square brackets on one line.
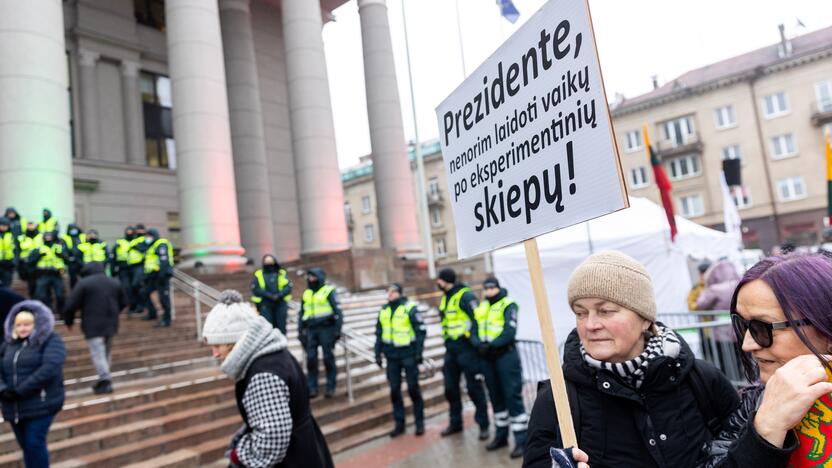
[(450, 430), (313, 394), (497, 443), (399, 430), (517, 452), (484, 434), (103, 386), (420, 430)]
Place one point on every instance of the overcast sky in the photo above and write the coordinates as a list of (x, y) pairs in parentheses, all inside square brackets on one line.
[(636, 39)]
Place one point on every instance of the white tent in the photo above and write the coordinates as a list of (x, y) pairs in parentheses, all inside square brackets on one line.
[(640, 231)]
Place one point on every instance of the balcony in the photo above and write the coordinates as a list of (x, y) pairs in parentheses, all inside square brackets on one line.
[(350, 221), (435, 198), (821, 112), (691, 143)]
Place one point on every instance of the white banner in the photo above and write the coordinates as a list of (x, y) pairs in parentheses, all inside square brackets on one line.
[(527, 140)]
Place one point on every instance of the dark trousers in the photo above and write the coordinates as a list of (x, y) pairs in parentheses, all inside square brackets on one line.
[(124, 279), (28, 275), (6, 275), (74, 270), (31, 436), (504, 379), (325, 338), (135, 277), (461, 358), (275, 313), (394, 378), (160, 284), (50, 282)]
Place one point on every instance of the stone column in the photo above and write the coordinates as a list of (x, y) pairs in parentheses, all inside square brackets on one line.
[(35, 153), (133, 113), (391, 168), (320, 196), (88, 80), (247, 139), (207, 197)]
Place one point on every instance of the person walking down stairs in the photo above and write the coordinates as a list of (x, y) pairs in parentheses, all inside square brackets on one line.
[(32, 359), (272, 397)]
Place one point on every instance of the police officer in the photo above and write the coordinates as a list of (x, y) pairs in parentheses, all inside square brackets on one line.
[(119, 266), (319, 325), (271, 291), (93, 249), (400, 336), (16, 224), (135, 268), (497, 326), (49, 222), (50, 262), (158, 268), (459, 329), (72, 252), (27, 242), (8, 253)]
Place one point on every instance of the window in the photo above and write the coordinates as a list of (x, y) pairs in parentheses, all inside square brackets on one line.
[(691, 205), (433, 186), (783, 146), (678, 131), (634, 141), (725, 117), (684, 167), (441, 249), (150, 13), (638, 177), (731, 152), (793, 188), (159, 146), (368, 232), (365, 204), (435, 219), (775, 105), (742, 197), (823, 91)]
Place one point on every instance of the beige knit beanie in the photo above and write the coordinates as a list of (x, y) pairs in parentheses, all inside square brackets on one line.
[(616, 277)]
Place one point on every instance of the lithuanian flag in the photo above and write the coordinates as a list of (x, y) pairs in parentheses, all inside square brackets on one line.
[(662, 181)]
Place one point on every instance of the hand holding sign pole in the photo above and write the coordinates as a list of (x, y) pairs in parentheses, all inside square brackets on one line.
[(528, 146)]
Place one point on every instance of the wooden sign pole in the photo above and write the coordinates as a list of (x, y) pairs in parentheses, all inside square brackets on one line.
[(550, 346)]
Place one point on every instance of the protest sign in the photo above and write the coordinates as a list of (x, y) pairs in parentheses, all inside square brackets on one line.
[(528, 148)]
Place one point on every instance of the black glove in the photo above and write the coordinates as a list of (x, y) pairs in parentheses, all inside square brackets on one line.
[(419, 359), (274, 297), (483, 349), (378, 360), (9, 395), (302, 338), (338, 335)]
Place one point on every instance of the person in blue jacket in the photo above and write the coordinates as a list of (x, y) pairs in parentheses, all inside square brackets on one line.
[(32, 385)]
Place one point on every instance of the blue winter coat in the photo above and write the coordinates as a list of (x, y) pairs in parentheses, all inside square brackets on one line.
[(33, 367)]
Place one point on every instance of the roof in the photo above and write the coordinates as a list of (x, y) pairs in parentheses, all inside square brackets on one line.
[(359, 170), (731, 70)]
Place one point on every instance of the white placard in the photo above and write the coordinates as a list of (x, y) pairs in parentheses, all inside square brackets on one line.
[(527, 140)]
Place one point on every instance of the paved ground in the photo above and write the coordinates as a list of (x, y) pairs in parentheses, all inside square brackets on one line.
[(428, 451)]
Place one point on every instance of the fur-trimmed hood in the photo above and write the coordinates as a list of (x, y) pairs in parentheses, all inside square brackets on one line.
[(44, 321)]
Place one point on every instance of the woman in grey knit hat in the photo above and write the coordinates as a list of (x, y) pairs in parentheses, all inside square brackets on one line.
[(638, 396), (278, 428)]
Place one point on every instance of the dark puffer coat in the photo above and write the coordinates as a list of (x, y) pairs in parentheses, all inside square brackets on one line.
[(740, 446), (659, 425), (33, 367)]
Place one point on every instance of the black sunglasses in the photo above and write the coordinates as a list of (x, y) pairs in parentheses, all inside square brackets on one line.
[(761, 332)]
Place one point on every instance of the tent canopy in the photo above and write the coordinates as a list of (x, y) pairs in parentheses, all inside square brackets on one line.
[(640, 231)]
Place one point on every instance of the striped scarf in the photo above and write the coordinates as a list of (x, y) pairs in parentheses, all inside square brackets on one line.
[(665, 343)]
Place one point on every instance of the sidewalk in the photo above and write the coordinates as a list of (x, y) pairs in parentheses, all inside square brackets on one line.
[(428, 451)]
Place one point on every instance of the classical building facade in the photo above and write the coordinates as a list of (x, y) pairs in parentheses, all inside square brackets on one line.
[(768, 107), (209, 120)]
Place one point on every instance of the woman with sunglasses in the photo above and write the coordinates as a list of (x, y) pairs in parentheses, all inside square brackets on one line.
[(783, 321)]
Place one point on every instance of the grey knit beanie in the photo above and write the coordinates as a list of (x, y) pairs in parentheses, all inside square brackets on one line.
[(229, 320), (616, 277)]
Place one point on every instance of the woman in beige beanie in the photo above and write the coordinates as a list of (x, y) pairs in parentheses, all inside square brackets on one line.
[(638, 396)]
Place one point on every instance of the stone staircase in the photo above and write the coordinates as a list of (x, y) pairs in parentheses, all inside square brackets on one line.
[(172, 406)]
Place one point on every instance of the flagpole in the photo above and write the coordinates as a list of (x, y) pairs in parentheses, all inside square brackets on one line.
[(420, 166), (459, 35)]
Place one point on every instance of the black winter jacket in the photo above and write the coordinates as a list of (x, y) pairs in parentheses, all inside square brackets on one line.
[(100, 299), (659, 425), (33, 367), (739, 445)]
